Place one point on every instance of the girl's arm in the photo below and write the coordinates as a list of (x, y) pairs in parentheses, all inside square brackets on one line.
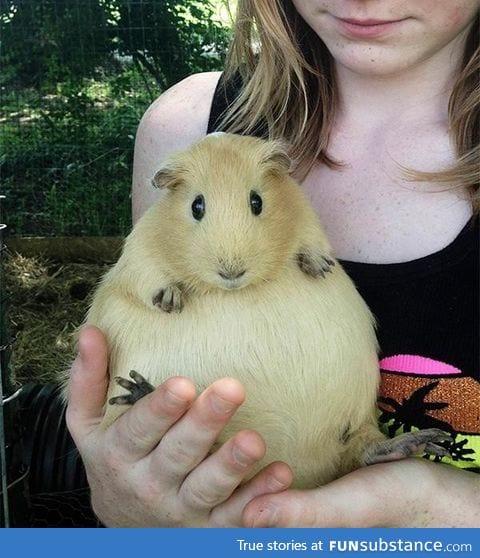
[(408, 493)]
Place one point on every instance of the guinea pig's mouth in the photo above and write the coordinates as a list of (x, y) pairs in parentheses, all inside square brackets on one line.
[(232, 284), (230, 280)]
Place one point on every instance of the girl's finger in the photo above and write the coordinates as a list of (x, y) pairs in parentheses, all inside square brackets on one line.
[(88, 384), (189, 440)]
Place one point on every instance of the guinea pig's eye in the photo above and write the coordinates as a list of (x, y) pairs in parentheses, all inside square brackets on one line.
[(255, 203), (198, 208)]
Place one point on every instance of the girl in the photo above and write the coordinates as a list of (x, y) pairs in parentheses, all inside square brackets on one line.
[(378, 100)]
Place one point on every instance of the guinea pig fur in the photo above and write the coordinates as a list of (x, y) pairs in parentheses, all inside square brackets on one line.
[(229, 273)]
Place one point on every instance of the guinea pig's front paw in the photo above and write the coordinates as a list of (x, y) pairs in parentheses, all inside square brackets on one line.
[(314, 263), (169, 299)]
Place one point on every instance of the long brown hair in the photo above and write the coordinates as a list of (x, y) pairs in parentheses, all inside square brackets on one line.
[(288, 85)]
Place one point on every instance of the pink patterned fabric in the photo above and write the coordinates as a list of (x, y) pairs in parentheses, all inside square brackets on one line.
[(414, 364)]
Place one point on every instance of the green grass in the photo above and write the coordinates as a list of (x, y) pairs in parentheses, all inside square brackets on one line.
[(66, 156)]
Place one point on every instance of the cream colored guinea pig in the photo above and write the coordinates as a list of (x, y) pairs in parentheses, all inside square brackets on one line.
[(231, 274)]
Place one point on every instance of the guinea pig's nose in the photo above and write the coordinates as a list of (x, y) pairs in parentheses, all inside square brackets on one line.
[(231, 274)]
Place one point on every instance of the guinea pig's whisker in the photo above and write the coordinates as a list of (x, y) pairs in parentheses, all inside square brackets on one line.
[(259, 277)]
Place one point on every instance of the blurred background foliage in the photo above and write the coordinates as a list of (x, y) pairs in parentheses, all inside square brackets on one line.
[(76, 77)]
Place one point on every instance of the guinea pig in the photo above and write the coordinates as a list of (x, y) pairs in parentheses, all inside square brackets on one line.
[(229, 273)]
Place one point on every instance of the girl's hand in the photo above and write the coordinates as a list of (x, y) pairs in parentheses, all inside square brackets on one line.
[(152, 466), (408, 493)]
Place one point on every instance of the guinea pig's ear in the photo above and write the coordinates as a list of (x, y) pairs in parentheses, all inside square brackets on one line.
[(277, 154), (166, 177)]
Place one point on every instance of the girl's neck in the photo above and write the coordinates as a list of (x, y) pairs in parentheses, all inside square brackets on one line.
[(419, 93)]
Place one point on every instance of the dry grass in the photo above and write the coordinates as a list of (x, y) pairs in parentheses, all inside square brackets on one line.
[(46, 302)]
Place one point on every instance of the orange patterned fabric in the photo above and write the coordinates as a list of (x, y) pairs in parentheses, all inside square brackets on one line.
[(410, 401)]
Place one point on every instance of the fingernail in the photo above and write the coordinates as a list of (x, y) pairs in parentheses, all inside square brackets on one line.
[(222, 406), (266, 517), (173, 400), (241, 457), (275, 484)]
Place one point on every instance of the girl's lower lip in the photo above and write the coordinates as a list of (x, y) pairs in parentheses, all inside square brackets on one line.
[(367, 29)]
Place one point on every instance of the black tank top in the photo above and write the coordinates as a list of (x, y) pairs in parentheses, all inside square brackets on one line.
[(427, 312)]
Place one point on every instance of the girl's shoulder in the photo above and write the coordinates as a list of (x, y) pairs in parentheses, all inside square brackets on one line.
[(183, 110), (178, 118)]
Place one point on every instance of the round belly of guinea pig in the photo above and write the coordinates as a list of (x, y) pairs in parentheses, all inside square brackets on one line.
[(303, 348)]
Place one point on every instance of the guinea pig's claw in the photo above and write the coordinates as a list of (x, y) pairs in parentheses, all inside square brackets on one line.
[(408, 445), (169, 299), (138, 389), (315, 264)]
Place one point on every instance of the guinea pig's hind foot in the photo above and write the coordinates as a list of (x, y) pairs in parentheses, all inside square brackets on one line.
[(314, 263), (138, 389), (408, 445)]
